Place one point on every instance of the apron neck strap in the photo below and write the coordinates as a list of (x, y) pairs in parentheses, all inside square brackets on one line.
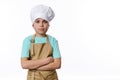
[(33, 37)]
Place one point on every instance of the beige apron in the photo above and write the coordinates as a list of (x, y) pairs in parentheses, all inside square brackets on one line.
[(39, 51)]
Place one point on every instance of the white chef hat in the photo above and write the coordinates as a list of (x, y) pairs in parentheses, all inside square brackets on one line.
[(42, 11)]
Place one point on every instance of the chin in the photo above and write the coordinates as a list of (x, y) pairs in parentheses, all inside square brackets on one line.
[(42, 33)]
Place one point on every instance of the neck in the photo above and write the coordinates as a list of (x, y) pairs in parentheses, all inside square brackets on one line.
[(40, 35)]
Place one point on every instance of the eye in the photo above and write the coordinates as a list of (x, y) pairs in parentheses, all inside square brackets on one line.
[(45, 21), (37, 21)]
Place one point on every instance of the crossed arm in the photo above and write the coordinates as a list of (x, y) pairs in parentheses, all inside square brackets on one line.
[(41, 64)]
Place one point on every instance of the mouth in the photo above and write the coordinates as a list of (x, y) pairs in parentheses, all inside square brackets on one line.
[(41, 29)]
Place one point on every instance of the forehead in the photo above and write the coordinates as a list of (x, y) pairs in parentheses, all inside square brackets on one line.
[(40, 19)]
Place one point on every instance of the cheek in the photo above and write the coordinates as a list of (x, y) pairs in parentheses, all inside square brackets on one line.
[(47, 27), (34, 28)]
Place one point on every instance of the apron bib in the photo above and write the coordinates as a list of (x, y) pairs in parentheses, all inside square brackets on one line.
[(39, 51)]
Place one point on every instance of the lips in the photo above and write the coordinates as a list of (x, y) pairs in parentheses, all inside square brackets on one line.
[(41, 29)]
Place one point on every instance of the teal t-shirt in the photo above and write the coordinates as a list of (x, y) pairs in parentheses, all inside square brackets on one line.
[(27, 42)]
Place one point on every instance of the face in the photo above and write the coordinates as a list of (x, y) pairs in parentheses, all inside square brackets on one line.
[(40, 26)]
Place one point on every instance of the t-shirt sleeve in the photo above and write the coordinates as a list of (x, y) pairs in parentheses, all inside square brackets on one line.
[(25, 48), (56, 51)]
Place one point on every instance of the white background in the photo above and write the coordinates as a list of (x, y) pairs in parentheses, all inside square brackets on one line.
[(88, 32)]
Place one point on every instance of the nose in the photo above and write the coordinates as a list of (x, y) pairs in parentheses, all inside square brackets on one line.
[(41, 24)]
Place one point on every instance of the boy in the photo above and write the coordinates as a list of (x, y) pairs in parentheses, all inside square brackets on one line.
[(40, 52)]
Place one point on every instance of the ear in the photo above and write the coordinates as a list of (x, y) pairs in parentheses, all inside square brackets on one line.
[(32, 25), (48, 24)]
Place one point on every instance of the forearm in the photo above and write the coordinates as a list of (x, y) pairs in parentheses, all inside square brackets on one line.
[(48, 67), (51, 66), (34, 64)]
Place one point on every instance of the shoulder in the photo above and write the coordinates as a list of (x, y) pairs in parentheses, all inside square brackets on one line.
[(52, 39), (27, 39)]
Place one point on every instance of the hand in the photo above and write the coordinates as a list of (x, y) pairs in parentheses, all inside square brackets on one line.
[(50, 59)]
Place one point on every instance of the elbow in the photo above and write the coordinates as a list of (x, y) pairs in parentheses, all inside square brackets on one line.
[(58, 66), (24, 66), (57, 63), (24, 63)]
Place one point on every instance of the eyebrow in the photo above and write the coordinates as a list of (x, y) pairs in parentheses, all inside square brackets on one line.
[(42, 19)]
